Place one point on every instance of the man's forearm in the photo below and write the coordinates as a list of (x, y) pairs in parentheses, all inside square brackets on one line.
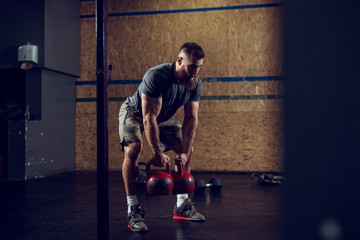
[(152, 134), (189, 131)]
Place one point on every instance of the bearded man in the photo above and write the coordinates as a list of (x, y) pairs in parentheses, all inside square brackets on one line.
[(164, 89)]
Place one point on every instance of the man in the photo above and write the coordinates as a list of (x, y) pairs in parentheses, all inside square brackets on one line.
[(163, 90)]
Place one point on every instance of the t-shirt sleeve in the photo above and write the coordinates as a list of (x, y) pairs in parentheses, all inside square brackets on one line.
[(196, 93), (152, 84)]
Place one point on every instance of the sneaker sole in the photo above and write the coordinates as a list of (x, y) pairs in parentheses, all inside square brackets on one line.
[(181, 217), (135, 230)]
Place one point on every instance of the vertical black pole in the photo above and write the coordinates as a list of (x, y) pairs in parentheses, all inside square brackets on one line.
[(102, 121)]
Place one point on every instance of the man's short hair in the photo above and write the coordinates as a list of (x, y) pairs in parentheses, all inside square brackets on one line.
[(193, 49)]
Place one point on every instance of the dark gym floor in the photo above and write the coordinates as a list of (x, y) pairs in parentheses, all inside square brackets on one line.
[(64, 207)]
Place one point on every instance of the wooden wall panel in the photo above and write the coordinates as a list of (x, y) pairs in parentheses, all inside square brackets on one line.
[(255, 39), (239, 142)]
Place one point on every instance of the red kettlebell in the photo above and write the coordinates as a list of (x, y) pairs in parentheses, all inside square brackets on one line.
[(159, 183), (183, 181)]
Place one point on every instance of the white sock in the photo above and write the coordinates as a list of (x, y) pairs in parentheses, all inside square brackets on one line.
[(131, 200), (181, 198)]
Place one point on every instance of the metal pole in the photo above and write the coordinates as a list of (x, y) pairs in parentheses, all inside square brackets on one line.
[(102, 121)]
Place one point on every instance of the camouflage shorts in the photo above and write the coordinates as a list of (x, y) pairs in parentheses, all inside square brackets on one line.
[(131, 129)]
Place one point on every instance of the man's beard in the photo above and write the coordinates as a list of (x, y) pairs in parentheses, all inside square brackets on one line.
[(189, 83)]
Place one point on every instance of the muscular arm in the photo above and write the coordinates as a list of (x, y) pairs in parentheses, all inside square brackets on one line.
[(189, 125), (151, 108)]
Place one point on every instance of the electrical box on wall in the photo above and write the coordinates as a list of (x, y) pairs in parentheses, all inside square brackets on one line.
[(28, 53)]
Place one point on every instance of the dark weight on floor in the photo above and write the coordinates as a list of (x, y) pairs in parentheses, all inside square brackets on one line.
[(142, 177), (214, 184)]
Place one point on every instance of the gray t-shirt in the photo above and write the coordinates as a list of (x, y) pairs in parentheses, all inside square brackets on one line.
[(160, 82)]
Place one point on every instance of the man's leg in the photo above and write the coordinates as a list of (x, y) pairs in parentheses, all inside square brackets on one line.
[(130, 131), (130, 170), (184, 208), (171, 135)]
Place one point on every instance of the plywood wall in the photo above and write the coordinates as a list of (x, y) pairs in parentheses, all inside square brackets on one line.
[(240, 117)]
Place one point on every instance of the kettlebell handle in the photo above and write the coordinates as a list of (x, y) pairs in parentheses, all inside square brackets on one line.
[(148, 170), (180, 167)]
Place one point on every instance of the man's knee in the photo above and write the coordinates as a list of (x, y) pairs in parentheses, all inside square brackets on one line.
[(132, 151)]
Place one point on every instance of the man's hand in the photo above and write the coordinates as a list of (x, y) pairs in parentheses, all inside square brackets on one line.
[(182, 157), (160, 160)]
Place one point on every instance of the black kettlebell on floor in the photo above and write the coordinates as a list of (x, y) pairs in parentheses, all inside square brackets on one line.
[(159, 182), (183, 181), (142, 178)]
